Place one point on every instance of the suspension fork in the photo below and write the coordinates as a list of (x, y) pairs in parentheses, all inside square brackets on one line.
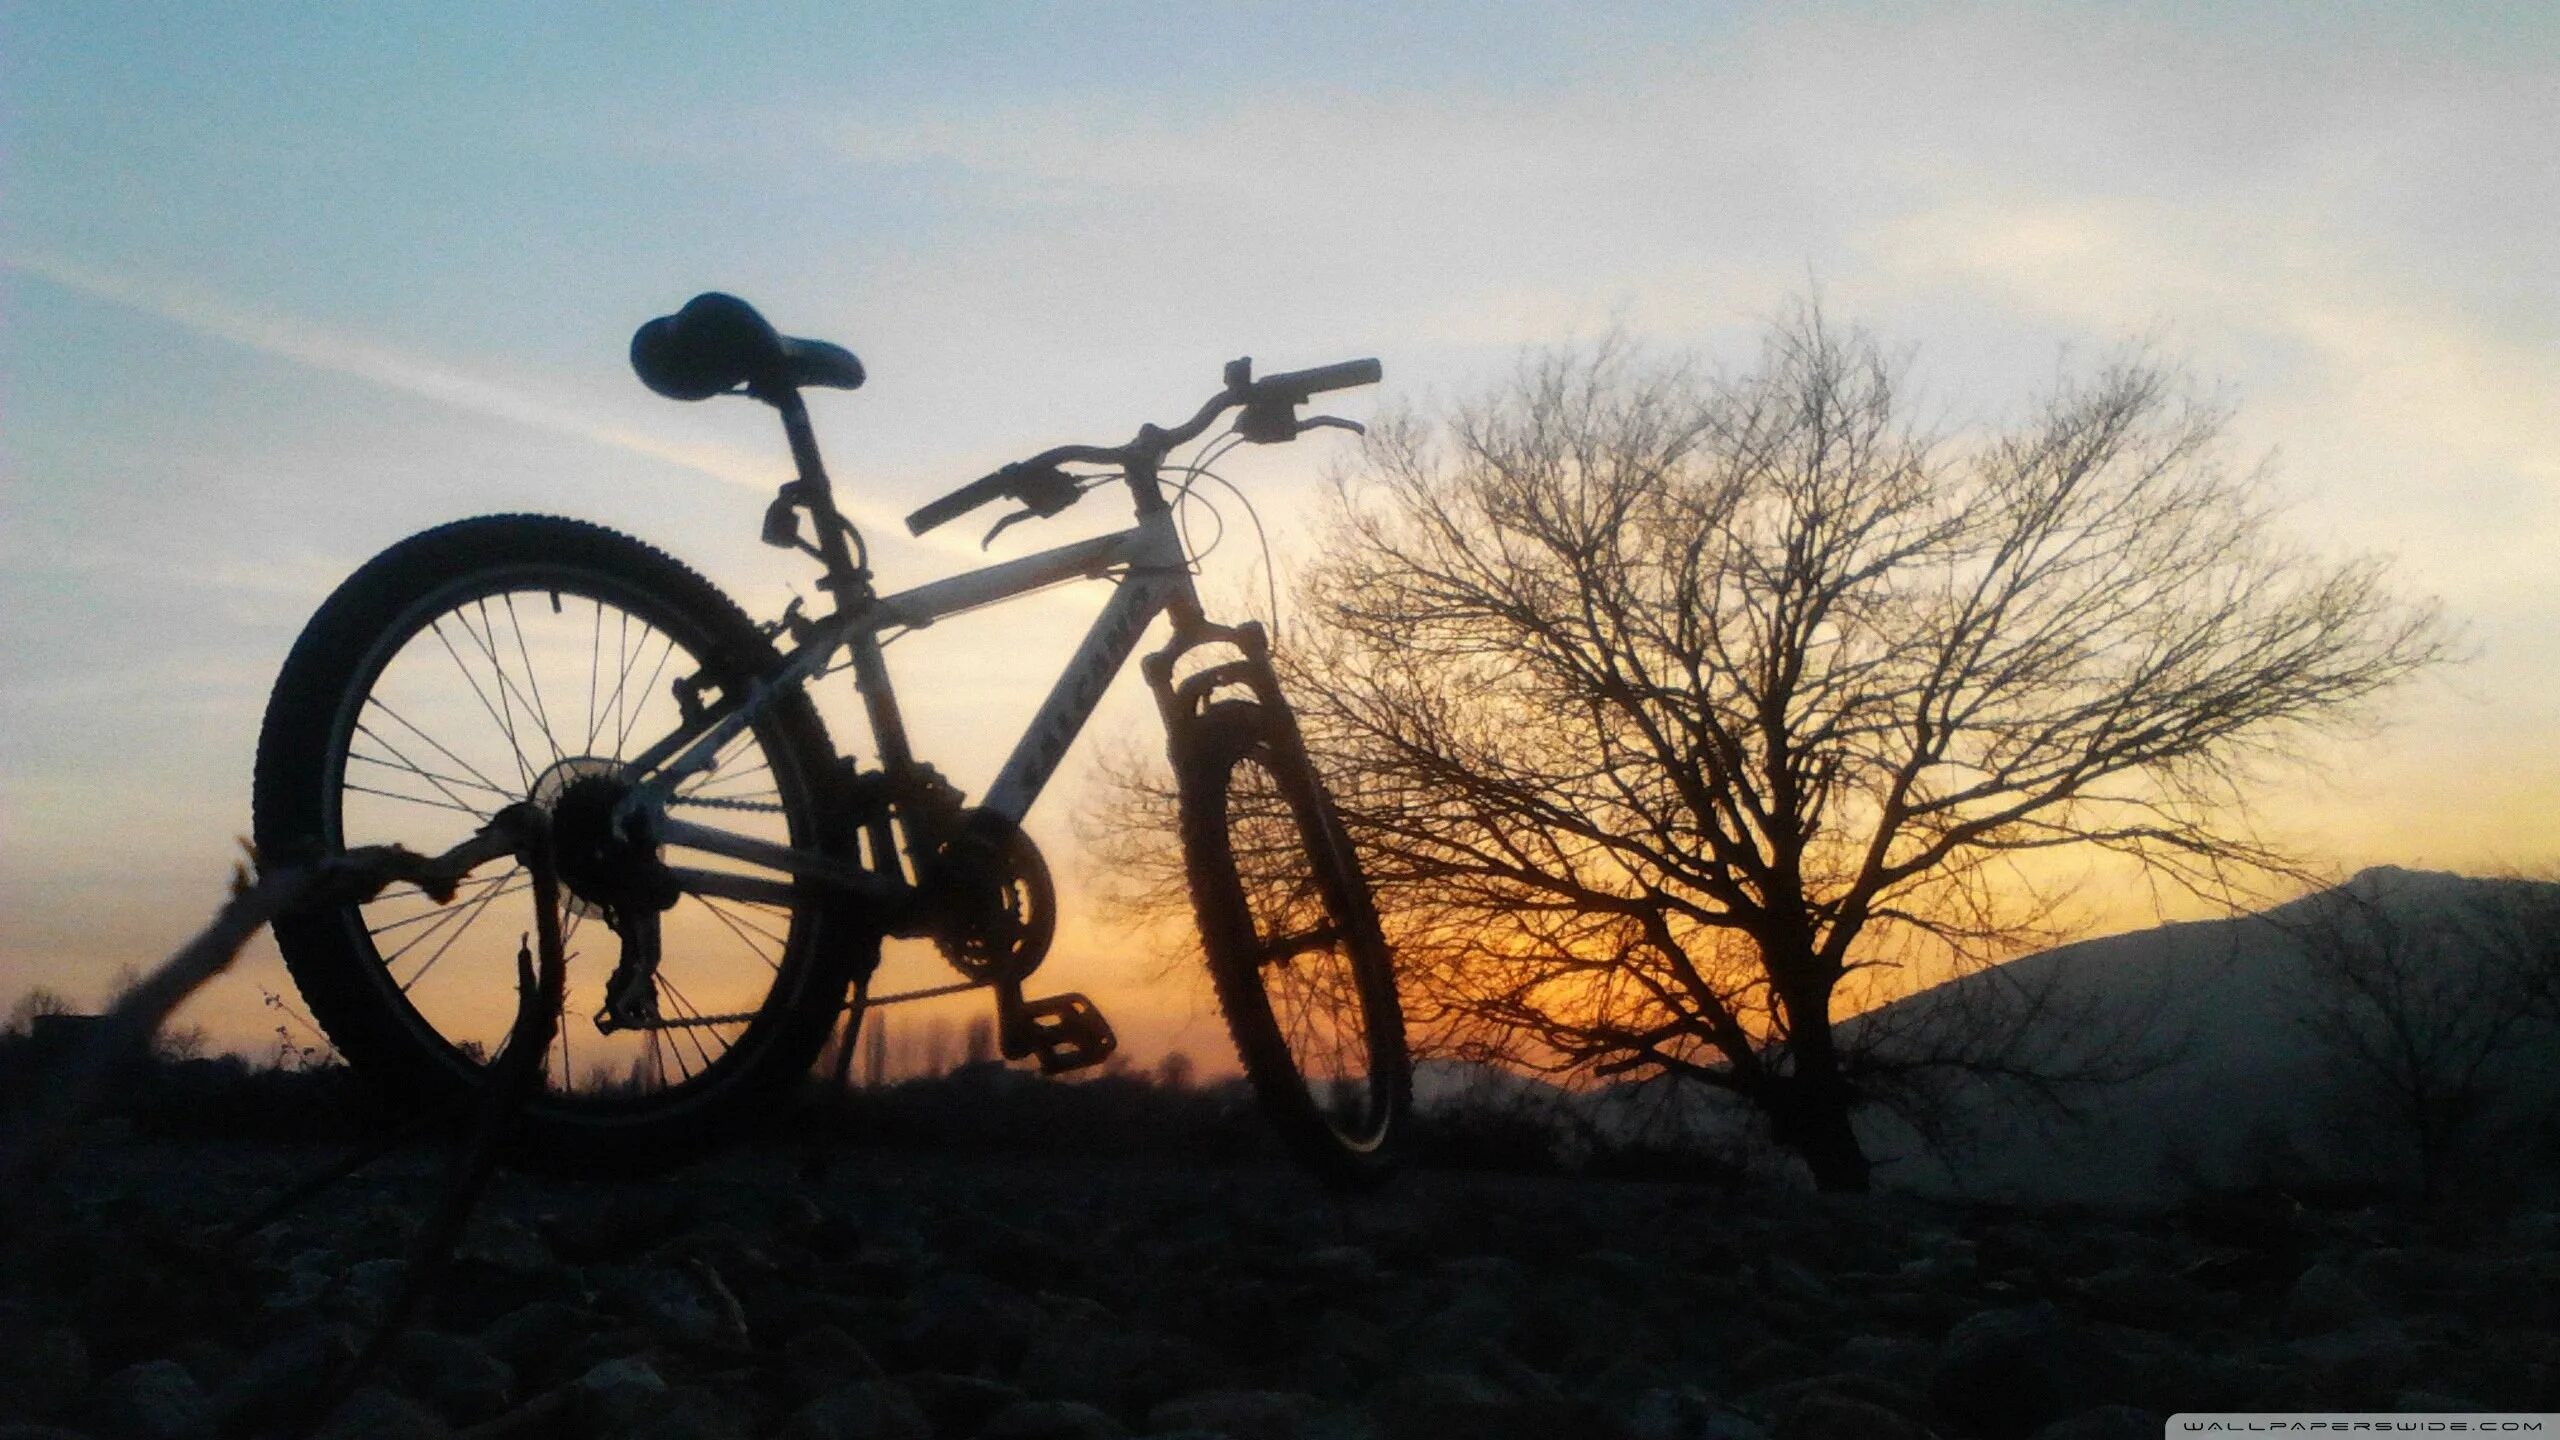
[(1181, 702)]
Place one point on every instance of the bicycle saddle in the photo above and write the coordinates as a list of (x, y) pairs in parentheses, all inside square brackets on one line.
[(717, 343)]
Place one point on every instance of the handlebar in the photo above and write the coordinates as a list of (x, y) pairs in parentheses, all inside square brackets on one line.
[(1303, 383), (1270, 406)]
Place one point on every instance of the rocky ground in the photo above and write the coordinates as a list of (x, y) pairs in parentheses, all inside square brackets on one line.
[(933, 1297)]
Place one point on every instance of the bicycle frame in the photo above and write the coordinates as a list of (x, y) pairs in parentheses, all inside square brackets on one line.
[(1154, 578)]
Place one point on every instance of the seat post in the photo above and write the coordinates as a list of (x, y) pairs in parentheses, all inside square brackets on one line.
[(814, 489)]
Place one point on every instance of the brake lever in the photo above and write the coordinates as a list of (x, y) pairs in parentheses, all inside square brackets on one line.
[(1331, 422), (1043, 493), (1008, 522)]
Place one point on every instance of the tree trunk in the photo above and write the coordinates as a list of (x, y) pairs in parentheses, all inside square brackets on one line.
[(1809, 1114), (1826, 1143), (1808, 1108)]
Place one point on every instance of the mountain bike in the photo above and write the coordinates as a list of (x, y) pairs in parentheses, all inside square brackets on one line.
[(739, 875)]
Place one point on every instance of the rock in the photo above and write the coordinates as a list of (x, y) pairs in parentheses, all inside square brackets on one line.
[(2428, 1402), (1088, 1354), (868, 1410), (2358, 1367), (623, 1222), (1050, 1420), (1828, 1415), (2323, 1299), (959, 1404), (497, 1241), (1773, 1362), (532, 1339), (1478, 1312), (454, 1377), (687, 1307), (1797, 1282), (1335, 1269), (43, 1369), (959, 1321), (2141, 1294), (2534, 1230), (2502, 1292), (373, 1413), (1236, 1414), (823, 1358), (155, 1400), (1352, 1344), (2006, 1372), (616, 1395), (1889, 1357), (1023, 1259), (1951, 1261), (1781, 1401), (2397, 1275), (1442, 1403), (688, 1413), (2106, 1422), (1687, 1413), (276, 1383), (210, 1361), (365, 1293)]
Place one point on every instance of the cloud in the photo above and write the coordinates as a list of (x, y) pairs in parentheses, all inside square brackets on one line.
[(321, 348), (2421, 413)]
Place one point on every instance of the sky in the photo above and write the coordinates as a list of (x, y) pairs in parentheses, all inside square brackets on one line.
[(281, 284)]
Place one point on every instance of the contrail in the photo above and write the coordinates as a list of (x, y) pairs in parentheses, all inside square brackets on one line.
[(321, 348)]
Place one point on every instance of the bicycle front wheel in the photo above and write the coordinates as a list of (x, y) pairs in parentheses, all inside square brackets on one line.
[(516, 658), (1294, 947)]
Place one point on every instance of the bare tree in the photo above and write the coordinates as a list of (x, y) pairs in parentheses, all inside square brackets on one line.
[(1660, 706), (24, 1010), (2428, 996)]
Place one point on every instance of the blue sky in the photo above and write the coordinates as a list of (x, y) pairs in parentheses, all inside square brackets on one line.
[(281, 284)]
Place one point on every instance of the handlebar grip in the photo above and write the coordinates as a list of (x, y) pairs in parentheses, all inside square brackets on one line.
[(958, 503), (1343, 376)]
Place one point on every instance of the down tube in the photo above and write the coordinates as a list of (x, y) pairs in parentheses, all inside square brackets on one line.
[(1105, 649)]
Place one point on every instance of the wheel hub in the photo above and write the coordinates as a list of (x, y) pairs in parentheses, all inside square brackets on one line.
[(606, 865)]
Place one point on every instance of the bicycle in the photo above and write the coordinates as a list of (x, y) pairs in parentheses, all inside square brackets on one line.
[(747, 874)]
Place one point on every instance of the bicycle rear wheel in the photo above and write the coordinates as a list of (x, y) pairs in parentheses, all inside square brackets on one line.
[(1301, 968), (514, 658)]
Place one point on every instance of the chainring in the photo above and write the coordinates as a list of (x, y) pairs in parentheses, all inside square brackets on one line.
[(997, 909)]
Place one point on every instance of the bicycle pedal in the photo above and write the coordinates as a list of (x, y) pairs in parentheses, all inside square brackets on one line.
[(1065, 1032)]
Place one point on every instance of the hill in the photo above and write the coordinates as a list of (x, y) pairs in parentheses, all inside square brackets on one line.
[(2246, 1089)]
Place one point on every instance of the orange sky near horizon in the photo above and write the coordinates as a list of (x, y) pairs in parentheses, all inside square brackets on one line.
[(279, 288)]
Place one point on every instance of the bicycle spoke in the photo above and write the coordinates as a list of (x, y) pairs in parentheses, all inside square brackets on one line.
[(398, 761), (462, 720), (740, 930), (676, 998), (474, 912), (478, 777), (533, 678), (622, 740), (510, 694), (438, 920), (386, 928), (524, 771), (595, 658)]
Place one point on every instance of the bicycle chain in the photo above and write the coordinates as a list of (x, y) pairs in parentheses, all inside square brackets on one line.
[(707, 802)]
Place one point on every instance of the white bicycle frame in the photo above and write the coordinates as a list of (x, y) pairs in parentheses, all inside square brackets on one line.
[(1154, 577)]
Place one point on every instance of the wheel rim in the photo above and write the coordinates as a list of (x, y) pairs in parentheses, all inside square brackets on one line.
[(1304, 950), (511, 687)]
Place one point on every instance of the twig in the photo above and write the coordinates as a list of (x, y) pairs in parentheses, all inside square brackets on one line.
[(512, 1079), (125, 1034)]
